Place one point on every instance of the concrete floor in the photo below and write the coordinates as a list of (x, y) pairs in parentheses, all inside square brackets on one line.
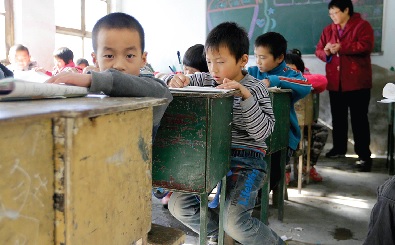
[(335, 211)]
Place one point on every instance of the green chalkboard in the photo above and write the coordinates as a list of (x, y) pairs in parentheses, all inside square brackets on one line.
[(300, 21)]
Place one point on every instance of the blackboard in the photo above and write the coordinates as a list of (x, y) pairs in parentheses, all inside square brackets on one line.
[(300, 21)]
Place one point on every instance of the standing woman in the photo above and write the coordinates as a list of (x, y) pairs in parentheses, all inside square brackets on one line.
[(345, 46)]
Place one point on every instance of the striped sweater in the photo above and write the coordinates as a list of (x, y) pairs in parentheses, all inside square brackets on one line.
[(253, 119)]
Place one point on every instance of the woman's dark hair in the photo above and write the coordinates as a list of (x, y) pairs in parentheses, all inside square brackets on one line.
[(342, 5)]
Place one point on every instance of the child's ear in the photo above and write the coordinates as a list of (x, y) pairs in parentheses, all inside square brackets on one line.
[(280, 58), (144, 59), (244, 60)]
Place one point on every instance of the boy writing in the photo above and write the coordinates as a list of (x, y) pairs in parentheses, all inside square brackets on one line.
[(226, 51), (118, 45), (63, 58), (270, 49)]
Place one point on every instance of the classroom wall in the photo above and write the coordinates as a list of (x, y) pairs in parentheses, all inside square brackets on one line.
[(34, 24)]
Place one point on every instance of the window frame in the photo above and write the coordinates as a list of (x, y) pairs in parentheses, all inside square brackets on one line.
[(83, 33), (9, 26)]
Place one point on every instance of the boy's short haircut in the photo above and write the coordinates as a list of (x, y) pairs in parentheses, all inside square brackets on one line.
[(18, 47), (82, 61), (273, 41), (294, 59), (118, 21), (65, 54), (342, 5), (230, 35), (194, 57)]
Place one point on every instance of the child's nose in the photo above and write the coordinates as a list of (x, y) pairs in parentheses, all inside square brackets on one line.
[(119, 65)]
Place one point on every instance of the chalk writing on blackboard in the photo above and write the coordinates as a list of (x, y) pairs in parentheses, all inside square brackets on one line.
[(300, 21)]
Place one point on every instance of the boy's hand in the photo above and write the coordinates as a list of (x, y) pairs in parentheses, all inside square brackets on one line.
[(39, 69), (232, 84), (179, 81), (266, 82), (69, 78)]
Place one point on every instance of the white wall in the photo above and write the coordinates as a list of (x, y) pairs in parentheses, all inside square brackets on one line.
[(173, 25), (34, 24), (170, 26)]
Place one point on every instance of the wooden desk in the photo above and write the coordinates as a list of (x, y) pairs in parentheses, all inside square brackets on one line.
[(277, 143), (191, 152), (304, 109), (75, 171)]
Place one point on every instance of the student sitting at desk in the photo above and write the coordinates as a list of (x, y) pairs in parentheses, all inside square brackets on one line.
[(20, 59), (226, 51), (270, 49), (118, 44), (319, 133), (63, 58)]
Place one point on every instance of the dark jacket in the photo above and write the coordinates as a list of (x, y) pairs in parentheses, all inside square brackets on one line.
[(351, 69)]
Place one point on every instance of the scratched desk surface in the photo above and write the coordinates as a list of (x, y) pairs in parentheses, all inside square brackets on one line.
[(72, 107)]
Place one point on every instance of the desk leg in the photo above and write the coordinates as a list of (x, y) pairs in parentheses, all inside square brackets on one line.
[(308, 151), (281, 185), (266, 192), (390, 139), (203, 218), (221, 212), (300, 168)]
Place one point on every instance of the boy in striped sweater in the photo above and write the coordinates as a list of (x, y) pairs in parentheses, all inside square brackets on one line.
[(270, 49), (226, 50)]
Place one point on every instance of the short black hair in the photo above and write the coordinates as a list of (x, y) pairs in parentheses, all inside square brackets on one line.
[(230, 35), (294, 59), (273, 41), (195, 58), (19, 47), (342, 5), (82, 61), (117, 21), (65, 54)]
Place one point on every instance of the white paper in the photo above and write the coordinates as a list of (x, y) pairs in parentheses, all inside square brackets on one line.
[(31, 76), (16, 89), (201, 89)]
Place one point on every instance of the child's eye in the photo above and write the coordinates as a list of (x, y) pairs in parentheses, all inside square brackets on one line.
[(108, 56), (129, 56)]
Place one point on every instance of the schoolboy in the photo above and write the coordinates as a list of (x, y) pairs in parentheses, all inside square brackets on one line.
[(270, 49), (82, 63), (63, 58), (226, 51), (118, 45), (20, 59)]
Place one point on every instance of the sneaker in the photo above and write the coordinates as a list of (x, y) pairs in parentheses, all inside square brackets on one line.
[(333, 154), (213, 240), (314, 175)]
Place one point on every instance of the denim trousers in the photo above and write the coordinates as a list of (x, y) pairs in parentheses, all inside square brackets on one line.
[(248, 171)]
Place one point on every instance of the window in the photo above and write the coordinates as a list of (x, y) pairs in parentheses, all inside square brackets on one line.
[(75, 33), (7, 27)]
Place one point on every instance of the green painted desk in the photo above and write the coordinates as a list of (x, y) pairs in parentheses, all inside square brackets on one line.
[(277, 143), (191, 152)]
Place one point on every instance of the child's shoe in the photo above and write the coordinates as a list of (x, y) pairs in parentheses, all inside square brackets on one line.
[(314, 175)]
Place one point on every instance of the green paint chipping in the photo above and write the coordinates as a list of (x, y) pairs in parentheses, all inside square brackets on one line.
[(143, 148)]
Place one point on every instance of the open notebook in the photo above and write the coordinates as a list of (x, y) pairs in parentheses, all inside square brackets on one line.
[(17, 89)]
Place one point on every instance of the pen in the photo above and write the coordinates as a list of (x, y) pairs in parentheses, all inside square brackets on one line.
[(172, 69), (179, 60)]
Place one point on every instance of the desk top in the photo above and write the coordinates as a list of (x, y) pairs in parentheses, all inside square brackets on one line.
[(73, 107)]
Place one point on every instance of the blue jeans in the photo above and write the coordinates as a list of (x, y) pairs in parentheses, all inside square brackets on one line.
[(248, 172)]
